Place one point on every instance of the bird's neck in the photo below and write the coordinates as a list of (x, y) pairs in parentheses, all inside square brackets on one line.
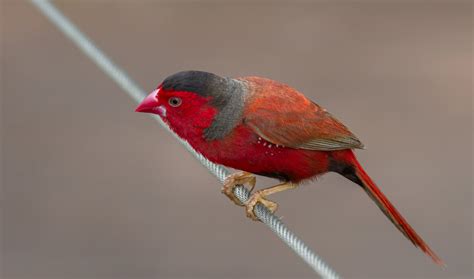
[(230, 105)]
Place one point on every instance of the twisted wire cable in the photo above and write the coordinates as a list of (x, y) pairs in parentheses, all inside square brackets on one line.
[(134, 91)]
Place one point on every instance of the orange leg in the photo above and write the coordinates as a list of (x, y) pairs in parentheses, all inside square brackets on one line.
[(260, 196), (238, 178)]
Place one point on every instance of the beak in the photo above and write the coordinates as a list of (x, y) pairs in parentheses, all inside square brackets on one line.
[(149, 103)]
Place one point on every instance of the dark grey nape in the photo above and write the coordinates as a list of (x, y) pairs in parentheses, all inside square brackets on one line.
[(226, 95)]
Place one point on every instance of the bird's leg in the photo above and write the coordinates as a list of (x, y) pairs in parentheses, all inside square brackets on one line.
[(238, 178), (260, 196)]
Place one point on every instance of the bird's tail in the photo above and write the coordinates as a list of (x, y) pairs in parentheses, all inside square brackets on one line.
[(358, 175)]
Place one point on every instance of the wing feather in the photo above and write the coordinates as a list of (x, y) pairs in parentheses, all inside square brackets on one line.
[(282, 115)]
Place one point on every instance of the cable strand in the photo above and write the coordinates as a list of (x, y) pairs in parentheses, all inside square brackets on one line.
[(136, 93)]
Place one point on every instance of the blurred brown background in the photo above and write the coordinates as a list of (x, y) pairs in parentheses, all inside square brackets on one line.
[(93, 190)]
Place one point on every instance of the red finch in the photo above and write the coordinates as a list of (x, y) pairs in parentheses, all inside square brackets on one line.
[(264, 127)]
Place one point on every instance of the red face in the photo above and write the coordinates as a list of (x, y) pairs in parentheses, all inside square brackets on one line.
[(185, 112)]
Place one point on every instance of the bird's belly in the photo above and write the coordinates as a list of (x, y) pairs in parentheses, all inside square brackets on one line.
[(263, 158)]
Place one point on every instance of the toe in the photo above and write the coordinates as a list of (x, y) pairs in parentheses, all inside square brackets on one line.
[(272, 206), (251, 214), (250, 205)]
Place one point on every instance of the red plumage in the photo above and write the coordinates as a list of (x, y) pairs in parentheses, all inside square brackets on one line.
[(264, 127)]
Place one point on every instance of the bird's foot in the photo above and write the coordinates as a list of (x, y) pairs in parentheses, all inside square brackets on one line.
[(258, 197), (238, 178)]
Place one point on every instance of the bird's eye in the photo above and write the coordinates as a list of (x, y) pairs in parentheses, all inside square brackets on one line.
[(174, 101)]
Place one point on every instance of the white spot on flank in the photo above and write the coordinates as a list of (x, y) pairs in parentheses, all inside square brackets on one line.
[(264, 144)]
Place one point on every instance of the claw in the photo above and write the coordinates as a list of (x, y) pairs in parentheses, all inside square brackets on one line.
[(242, 178), (239, 178), (258, 197)]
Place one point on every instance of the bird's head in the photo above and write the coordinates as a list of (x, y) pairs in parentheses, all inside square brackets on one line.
[(193, 102)]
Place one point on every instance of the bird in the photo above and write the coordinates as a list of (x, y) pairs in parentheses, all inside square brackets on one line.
[(259, 126)]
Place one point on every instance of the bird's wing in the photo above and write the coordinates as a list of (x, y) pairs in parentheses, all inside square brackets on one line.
[(282, 115)]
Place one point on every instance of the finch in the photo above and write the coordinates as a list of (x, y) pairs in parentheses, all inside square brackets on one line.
[(264, 127)]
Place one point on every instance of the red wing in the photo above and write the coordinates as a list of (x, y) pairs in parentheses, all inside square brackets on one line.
[(282, 115)]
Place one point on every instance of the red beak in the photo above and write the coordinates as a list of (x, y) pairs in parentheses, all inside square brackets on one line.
[(149, 103)]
